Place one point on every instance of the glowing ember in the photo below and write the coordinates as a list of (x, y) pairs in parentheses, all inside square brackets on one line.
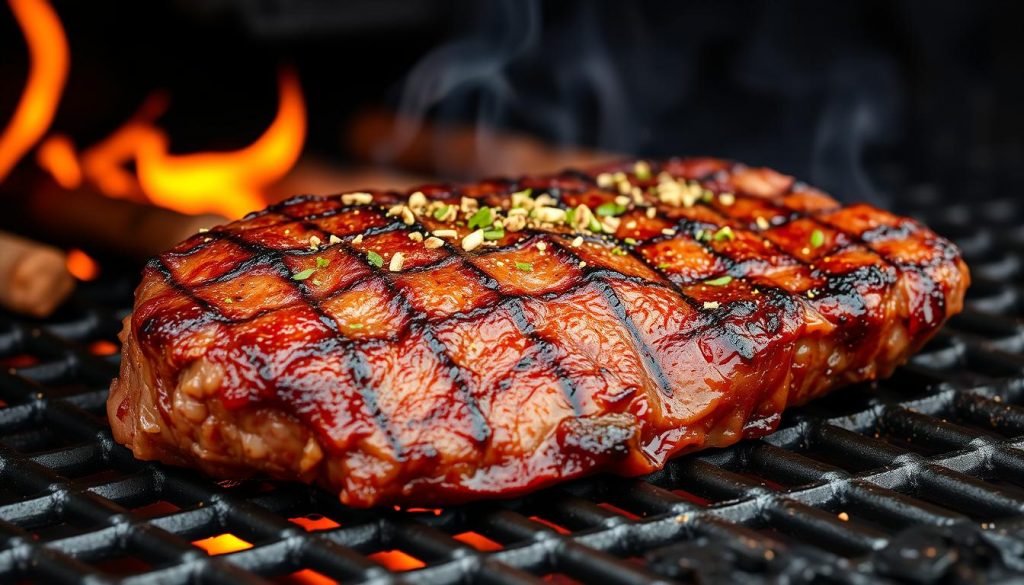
[(477, 541), (82, 266), (48, 54), (558, 528), (397, 560), (103, 347), (309, 577), (56, 155), (222, 544), (314, 522), (434, 511)]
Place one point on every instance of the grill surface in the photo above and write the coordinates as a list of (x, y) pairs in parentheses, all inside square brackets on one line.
[(919, 478)]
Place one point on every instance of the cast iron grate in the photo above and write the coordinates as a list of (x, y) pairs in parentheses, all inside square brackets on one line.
[(917, 479)]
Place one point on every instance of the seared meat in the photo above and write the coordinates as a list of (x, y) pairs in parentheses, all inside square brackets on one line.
[(676, 306)]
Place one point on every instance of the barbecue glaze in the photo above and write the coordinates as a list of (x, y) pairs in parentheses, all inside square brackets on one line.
[(293, 343)]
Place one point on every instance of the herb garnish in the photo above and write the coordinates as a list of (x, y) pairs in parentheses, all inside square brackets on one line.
[(494, 234), (375, 258), (725, 233), (481, 219), (610, 209), (441, 212)]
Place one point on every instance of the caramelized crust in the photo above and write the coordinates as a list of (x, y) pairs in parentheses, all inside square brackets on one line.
[(495, 371)]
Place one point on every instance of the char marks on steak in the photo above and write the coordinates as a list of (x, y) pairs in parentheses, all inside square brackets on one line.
[(279, 344)]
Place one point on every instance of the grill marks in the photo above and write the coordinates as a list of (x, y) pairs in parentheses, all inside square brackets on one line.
[(397, 363)]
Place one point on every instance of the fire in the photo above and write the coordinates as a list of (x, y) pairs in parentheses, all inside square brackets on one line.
[(230, 183), (103, 163), (48, 55), (56, 155)]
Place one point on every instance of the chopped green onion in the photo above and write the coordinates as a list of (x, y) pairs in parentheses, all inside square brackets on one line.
[(524, 266), (442, 211), (618, 251), (355, 325), (524, 193), (595, 226), (724, 233), (663, 266), (494, 234), (720, 281), (817, 238), (570, 216), (304, 274), (375, 258), (481, 219), (316, 282), (610, 209), (630, 241), (322, 262), (703, 235)]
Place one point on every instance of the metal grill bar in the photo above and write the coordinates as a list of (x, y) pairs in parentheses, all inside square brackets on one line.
[(920, 478)]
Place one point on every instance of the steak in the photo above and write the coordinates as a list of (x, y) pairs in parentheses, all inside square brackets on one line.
[(485, 340)]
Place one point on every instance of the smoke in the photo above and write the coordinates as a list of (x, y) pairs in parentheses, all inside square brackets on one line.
[(467, 76), (791, 84)]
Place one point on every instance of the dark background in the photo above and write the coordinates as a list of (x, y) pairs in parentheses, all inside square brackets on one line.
[(865, 99)]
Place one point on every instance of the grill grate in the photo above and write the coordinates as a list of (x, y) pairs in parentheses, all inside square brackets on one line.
[(919, 478)]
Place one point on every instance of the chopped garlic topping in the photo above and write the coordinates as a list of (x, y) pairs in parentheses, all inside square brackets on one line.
[(397, 261), (357, 198), (417, 201), (473, 240)]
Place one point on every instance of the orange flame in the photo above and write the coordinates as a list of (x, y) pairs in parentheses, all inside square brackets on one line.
[(230, 183), (103, 163), (56, 155), (48, 55)]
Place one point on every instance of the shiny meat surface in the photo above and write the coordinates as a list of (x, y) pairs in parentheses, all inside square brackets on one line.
[(677, 306)]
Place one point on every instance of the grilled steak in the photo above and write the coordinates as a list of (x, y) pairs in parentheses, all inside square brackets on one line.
[(489, 339)]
